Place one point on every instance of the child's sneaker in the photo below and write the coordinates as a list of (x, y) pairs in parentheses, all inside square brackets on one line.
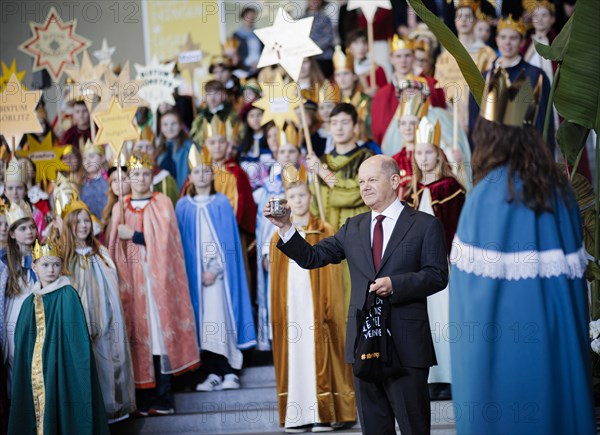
[(231, 382), (211, 383)]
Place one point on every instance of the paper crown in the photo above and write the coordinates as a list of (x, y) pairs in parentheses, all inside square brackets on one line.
[(68, 150), (146, 133), (398, 43), (532, 5), (507, 103), (16, 212), (329, 92), (510, 23), (289, 135), (231, 44), (414, 106), (89, 147), (49, 249), (215, 127), (65, 204), (232, 131), (427, 132), (118, 162), (342, 61), (15, 172), (139, 161), (421, 44), (197, 158), (63, 183), (3, 206), (471, 4)]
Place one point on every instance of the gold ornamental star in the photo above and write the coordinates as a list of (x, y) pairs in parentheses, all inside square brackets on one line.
[(87, 80), (123, 88), (17, 112), (116, 125), (279, 102), (369, 7), (46, 158), (8, 72), (190, 56)]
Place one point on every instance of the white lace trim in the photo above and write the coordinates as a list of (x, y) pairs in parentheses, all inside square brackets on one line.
[(526, 264)]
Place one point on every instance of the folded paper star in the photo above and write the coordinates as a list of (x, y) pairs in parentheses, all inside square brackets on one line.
[(159, 83), (86, 80), (287, 42), (17, 112), (123, 88), (54, 44), (8, 72), (279, 102), (115, 126), (369, 7), (45, 157)]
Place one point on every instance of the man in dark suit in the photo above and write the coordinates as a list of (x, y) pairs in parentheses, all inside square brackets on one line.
[(402, 253)]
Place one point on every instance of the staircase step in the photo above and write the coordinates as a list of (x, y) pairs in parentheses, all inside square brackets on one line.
[(258, 377), (244, 398)]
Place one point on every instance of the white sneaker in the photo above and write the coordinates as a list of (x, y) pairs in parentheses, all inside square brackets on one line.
[(231, 382), (211, 383)]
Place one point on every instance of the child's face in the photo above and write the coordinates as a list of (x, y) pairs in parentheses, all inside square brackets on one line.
[(140, 180), (221, 74), (71, 161), (345, 79), (201, 176), (482, 31), (287, 154), (48, 269), (359, 48), (25, 233), (542, 19), (249, 95), (464, 20), (3, 228), (14, 191), (170, 127), (114, 183), (272, 138), (325, 109), (144, 147), (214, 98), (426, 156), (402, 61), (299, 200), (83, 227), (342, 128), (408, 126), (254, 119), (81, 116), (509, 42), (93, 163), (217, 147)]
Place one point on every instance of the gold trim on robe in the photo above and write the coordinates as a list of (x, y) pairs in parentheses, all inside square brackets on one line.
[(37, 367)]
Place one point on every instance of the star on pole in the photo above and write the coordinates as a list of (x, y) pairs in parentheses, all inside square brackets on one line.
[(369, 7), (45, 157), (116, 126), (159, 83), (104, 55), (54, 44), (87, 80), (17, 112), (123, 88), (190, 56), (287, 42), (8, 72), (279, 102)]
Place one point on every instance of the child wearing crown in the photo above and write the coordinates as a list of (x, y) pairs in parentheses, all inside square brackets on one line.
[(94, 276), (435, 190), (55, 383), (308, 323), (117, 188), (146, 246), (95, 180), (217, 278)]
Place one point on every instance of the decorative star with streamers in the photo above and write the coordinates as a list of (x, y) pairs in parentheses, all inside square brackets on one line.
[(279, 102), (17, 111), (369, 7)]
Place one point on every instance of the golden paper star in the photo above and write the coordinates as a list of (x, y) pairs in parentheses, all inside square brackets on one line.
[(8, 72), (116, 126), (46, 158), (279, 102), (190, 56), (287, 42), (87, 80), (17, 112), (123, 88), (369, 7)]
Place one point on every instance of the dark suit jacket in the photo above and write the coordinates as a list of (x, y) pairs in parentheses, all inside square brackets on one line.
[(416, 261)]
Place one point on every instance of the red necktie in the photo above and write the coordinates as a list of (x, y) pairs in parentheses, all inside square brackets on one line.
[(378, 242)]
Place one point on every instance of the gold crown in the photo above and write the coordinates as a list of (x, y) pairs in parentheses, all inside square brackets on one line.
[(16, 212), (507, 103), (215, 127), (532, 5), (121, 161), (15, 172), (66, 204), (231, 44), (329, 92), (421, 44), (471, 4), (89, 147), (146, 133), (289, 135), (232, 131), (398, 43), (197, 158), (3, 206), (414, 106), (49, 249), (68, 150), (342, 61), (510, 23), (220, 60), (428, 132), (139, 161)]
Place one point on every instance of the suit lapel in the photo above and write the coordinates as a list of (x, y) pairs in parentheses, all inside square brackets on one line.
[(364, 230), (403, 224)]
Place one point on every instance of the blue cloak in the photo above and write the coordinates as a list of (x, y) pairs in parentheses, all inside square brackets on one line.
[(176, 162), (223, 220), (518, 316)]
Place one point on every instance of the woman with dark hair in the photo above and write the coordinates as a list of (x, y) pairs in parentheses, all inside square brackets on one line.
[(519, 307)]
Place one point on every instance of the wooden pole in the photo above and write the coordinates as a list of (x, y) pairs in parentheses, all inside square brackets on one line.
[(370, 38), (121, 201), (454, 123)]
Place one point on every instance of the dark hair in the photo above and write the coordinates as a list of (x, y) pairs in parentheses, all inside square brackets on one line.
[(345, 108), (355, 35), (79, 103), (16, 273), (525, 154), (247, 10), (181, 137), (214, 86), (248, 139)]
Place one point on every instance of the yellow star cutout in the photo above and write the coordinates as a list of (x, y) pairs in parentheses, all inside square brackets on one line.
[(8, 72), (123, 88), (17, 112), (190, 56), (46, 158), (87, 80), (279, 102), (116, 126)]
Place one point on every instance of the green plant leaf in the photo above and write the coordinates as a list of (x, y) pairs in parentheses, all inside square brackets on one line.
[(469, 70), (556, 50), (571, 138)]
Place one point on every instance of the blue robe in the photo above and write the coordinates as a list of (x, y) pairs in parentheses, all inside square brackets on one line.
[(223, 220), (533, 72), (176, 161), (519, 316)]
